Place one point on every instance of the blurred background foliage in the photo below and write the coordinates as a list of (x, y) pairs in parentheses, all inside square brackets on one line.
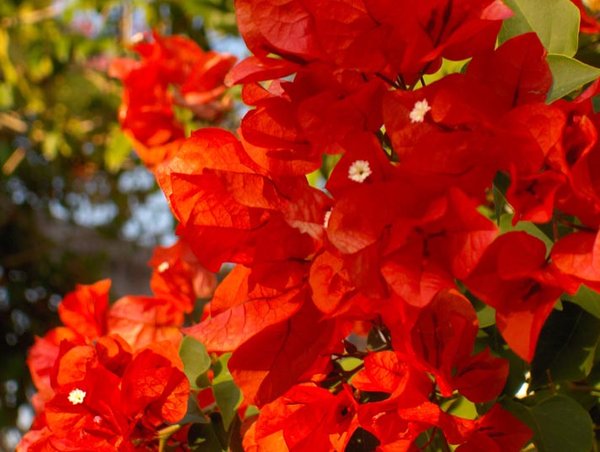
[(75, 203)]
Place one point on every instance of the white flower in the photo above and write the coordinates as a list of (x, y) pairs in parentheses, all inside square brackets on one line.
[(419, 111), (359, 171), (76, 396)]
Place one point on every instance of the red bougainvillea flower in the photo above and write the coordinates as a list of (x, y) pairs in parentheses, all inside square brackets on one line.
[(309, 418), (441, 341), (177, 275), (88, 319), (578, 254), (173, 71), (144, 320), (229, 208), (359, 34), (84, 310), (106, 398), (497, 431), (516, 279)]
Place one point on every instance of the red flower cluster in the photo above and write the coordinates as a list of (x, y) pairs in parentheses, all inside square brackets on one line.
[(350, 311), (174, 71), (111, 376), (382, 249)]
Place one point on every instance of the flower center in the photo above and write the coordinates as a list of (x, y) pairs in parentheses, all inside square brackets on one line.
[(419, 111), (359, 171), (76, 396)]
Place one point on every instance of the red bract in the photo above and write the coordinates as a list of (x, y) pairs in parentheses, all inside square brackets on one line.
[(229, 208), (173, 71), (309, 417), (177, 275), (257, 307), (497, 431), (107, 399), (578, 254), (359, 34), (42, 356), (270, 363), (441, 342), (464, 128), (144, 320), (515, 278), (293, 124), (154, 387), (85, 309)]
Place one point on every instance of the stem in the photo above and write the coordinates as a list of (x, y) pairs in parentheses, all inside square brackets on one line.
[(388, 81), (164, 435)]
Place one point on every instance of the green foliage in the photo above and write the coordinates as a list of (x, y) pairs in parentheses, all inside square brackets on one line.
[(566, 347), (556, 22), (568, 75), (559, 423), (587, 299), (227, 394), (195, 360)]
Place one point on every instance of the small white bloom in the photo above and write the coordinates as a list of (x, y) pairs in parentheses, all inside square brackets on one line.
[(326, 218), (359, 171), (419, 111), (163, 267), (76, 396)]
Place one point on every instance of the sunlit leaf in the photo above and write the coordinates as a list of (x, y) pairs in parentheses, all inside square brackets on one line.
[(556, 22), (568, 75)]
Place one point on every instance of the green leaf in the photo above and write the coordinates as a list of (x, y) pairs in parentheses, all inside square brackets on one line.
[(227, 394), (566, 347), (587, 299), (559, 423), (486, 316), (556, 23), (568, 75), (448, 67), (194, 414), (204, 438), (460, 407), (195, 360)]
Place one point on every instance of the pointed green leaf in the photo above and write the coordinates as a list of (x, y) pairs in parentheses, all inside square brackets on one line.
[(568, 75), (556, 23), (566, 347), (227, 394), (195, 360), (559, 423)]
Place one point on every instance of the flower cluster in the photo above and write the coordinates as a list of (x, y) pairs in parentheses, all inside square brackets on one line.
[(111, 376), (173, 72), (351, 316)]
